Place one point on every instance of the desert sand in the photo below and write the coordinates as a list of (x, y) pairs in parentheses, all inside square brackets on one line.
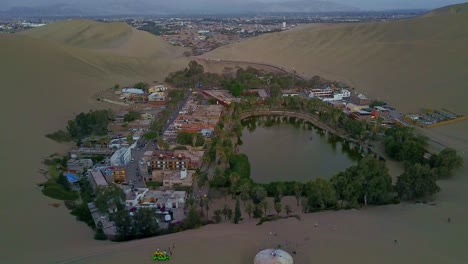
[(45, 82)]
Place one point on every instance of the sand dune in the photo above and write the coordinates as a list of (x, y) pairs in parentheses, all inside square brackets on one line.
[(43, 83), (117, 38), (413, 63)]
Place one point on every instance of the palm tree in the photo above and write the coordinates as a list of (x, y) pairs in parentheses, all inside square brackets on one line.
[(249, 208), (225, 211), (264, 204), (288, 209), (298, 192), (278, 208), (234, 178), (207, 202), (244, 190)]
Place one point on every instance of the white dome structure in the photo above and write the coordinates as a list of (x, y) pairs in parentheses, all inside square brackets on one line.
[(273, 256)]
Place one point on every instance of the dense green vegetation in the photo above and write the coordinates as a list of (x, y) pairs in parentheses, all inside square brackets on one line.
[(132, 116), (142, 224), (419, 179), (192, 139), (93, 123), (416, 182), (444, 163), (402, 144), (56, 191), (108, 196)]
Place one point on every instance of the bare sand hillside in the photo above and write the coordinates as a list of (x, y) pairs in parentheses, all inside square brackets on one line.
[(413, 63), (43, 84), (117, 38)]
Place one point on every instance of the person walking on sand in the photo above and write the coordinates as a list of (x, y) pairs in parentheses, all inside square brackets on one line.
[(395, 242)]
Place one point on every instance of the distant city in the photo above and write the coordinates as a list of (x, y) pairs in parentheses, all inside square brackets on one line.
[(205, 33)]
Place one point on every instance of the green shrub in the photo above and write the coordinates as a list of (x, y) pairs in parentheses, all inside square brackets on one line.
[(57, 191)]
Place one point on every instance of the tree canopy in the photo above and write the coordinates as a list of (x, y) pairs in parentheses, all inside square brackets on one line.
[(109, 195), (132, 116), (368, 183), (445, 162), (402, 144), (87, 124), (320, 194), (416, 182)]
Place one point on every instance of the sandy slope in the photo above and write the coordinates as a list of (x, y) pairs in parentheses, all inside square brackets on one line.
[(412, 63), (116, 38), (43, 84)]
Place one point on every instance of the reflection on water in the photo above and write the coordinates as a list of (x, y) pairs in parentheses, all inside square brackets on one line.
[(281, 148)]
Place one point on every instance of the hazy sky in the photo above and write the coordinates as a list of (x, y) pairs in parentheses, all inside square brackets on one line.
[(362, 4)]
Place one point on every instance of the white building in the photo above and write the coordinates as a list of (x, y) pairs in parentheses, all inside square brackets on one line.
[(143, 197), (157, 97), (337, 96), (134, 196), (121, 157), (321, 92), (118, 143), (133, 91)]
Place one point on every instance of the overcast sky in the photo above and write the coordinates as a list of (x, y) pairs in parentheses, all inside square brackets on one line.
[(362, 4)]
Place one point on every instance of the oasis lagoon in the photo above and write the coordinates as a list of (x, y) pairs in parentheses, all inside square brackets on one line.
[(288, 149)]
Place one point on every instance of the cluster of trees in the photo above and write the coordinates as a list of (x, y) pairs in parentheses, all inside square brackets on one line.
[(193, 76), (132, 116), (402, 144), (419, 178), (366, 183), (142, 223), (194, 139), (84, 125), (236, 81), (142, 86)]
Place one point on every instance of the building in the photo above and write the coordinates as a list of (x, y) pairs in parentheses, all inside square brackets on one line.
[(133, 91), (87, 152), (195, 157), (115, 174), (118, 143), (327, 92), (108, 226), (157, 97), (178, 178), (157, 88), (207, 132), (222, 96), (143, 197), (290, 93), (353, 108), (121, 157), (78, 166), (134, 196), (168, 161), (96, 178), (164, 199), (360, 99)]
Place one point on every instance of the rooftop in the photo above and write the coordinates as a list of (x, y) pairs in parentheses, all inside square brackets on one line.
[(98, 177)]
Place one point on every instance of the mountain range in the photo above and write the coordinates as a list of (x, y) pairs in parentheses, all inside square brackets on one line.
[(159, 7)]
